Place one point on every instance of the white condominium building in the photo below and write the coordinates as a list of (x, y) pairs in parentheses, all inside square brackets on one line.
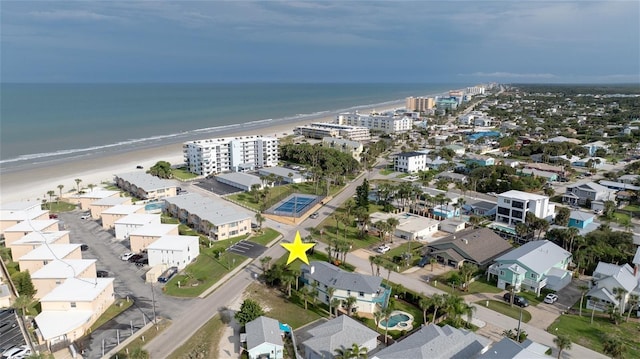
[(410, 162), (513, 207), (387, 123), (321, 130), (237, 154)]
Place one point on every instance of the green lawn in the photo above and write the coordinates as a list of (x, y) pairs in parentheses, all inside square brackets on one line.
[(386, 172), (504, 308), (286, 310), (183, 173), (204, 343), (631, 208), (621, 217), (531, 297), (416, 254), (206, 270), (119, 306), (267, 235), (59, 206), (168, 220), (478, 286), (582, 332)]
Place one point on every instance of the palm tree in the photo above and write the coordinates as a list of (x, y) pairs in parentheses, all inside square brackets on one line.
[(424, 303), (437, 301), (260, 219), (389, 267), (350, 302), (466, 272), (330, 291), (358, 352), (456, 307), (614, 347), (343, 353), (386, 313), (91, 186), (266, 263), (287, 281), (335, 302), (60, 187), (621, 294), (583, 290), (296, 274), (562, 342), (372, 259), (633, 302), (377, 317), (50, 194), (22, 302), (393, 223), (304, 293), (432, 261), (78, 180)]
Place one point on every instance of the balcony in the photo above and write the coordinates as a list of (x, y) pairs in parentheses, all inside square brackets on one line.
[(534, 283)]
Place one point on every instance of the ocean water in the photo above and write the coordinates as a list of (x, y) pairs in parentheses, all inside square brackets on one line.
[(43, 122)]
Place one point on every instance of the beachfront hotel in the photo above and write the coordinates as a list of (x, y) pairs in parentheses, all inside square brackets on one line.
[(320, 130), (236, 154), (386, 122), (422, 104)]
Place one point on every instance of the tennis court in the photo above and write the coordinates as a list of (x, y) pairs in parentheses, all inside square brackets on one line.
[(294, 205)]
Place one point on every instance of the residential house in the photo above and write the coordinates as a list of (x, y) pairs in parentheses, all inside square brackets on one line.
[(479, 207), (452, 225), (581, 193), (434, 342), (141, 238), (70, 309), (146, 186), (264, 339), (559, 139), (546, 167), (459, 150), (607, 278), (353, 148), (43, 255), (435, 163), (368, 290), (452, 176), (533, 266), (282, 174), (99, 206), (130, 223), (479, 160), (213, 217), (507, 348), (479, 246), (410, 162), (629, 178), (581, 220), (592, 147), (85, 199), (549, 176), (338, 333), (411, 226), (174, 251), (17, 231), (513, 207), (617, 186), (111, 215), (58, 271), (34, 240), (16, 212), (446, 211)]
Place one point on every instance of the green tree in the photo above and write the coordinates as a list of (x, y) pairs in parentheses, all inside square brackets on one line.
[(78, 181), (583, 290), (60, 187), (260, 219), (50, 194), (424, 303), (562, 342), (467, 271), (23, 283), (249, 310), (562, 216), (23, 302), (614, 347), (161, 169), (633, 302), (350, 302), (437, 301)]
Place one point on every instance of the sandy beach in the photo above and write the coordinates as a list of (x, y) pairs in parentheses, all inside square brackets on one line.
[(33, 184)]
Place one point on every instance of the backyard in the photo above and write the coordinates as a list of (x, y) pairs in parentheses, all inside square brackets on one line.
[(592, 336), (183, 173)]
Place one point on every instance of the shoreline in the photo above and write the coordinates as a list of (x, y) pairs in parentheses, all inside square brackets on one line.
[(22, 184)]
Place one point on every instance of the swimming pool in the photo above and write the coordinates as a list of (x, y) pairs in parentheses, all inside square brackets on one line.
[(394, 320), (398, 320), (154, 206)]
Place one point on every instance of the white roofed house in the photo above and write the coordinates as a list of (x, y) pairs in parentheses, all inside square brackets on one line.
[(16, 212), (111, 215), (338, 333), (95, 195), (70, 309), (513, 207), (145, 186), (264, 339), (130, 223), (174, 251), (142, 237), (56, 272), (283, 174), (410, 226), (368, 290), (607, 280), (23, 228), (43, 255), (34, 240), (100, 205)]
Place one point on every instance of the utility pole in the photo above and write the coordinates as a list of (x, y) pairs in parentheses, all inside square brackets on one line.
[(519, 321)]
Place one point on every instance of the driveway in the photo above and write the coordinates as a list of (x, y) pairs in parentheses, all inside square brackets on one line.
[(129, 283)]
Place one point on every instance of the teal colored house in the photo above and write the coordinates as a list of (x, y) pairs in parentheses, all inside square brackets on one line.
[(480, 160), (446, 211), (533, 266), (580, 220)]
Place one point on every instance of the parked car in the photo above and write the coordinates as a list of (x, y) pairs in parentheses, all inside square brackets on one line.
[(17, 353), (551, 298), (517, 300), (53, 216), (102, 273), (134, 258), (85, 216), (314, 215), (139, 167), (423, 262), (140, 262), (384, 248), (166, 275), (126, 256), (84, 247)]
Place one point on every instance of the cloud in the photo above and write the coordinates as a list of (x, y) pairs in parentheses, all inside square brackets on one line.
[(82, 15), (511, 75)]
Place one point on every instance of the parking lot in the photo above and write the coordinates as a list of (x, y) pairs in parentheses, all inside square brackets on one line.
[(10, 333), (129, 283), (247, 249), (212, 185)]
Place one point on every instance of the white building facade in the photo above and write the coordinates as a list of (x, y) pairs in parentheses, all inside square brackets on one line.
[(235, 154), (514, 205), (387, 123), (410, 162), (173, 251)]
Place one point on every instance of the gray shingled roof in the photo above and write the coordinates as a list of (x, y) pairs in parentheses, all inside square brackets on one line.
[(263, 330), (146, 181), (432, 342), (332, 276), (538, 256), (337, 333), (243, 179), (480, 245), (507, 348), (216, 211)]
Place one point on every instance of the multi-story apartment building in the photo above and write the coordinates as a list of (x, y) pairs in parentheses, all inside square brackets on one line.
[(354, 148), (387, 123), (321, 130), (421, 104), (514, 205), (410, 162), (475, 90), (235, 154)]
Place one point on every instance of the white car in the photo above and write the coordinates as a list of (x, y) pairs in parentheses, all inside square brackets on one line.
[(551, 298), (17, 353), (384, 248), (126, 256), (85, 216)]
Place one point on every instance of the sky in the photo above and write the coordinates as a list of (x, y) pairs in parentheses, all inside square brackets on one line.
[(320, 41)]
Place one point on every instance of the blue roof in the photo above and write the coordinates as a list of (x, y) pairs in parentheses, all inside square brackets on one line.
[(478, 135)]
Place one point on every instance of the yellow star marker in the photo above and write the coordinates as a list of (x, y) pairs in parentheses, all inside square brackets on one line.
[(297, 249)]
